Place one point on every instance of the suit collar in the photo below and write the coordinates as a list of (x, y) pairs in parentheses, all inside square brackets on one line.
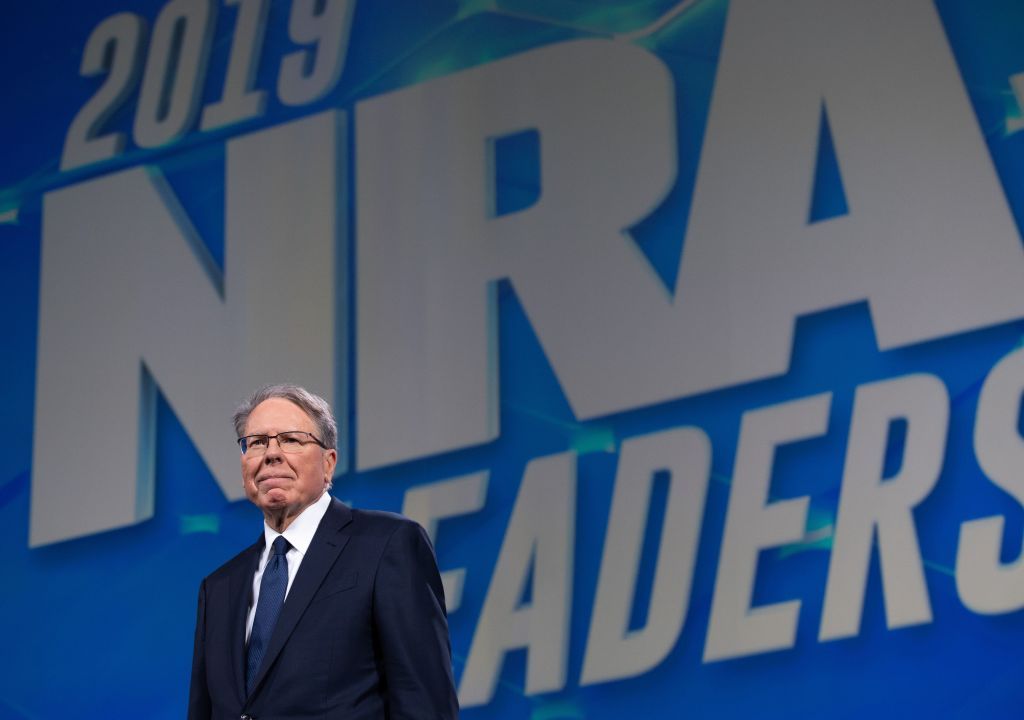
[(240, 592), (328, 542)]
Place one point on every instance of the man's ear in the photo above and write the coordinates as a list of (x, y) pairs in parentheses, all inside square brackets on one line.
[(330, 460)]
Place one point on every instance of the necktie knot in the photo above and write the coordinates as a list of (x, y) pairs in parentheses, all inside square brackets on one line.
[(280, 546)]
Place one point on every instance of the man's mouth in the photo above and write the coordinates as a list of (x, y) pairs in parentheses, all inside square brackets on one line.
[(272, 481)]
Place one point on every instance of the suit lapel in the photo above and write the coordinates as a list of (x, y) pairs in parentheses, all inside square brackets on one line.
[(328, 541), (240, 592)]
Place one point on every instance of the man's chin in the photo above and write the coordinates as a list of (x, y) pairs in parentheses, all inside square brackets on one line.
[(273, 500)]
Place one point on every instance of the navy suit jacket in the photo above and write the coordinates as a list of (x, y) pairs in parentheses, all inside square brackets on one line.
[(362, 634)]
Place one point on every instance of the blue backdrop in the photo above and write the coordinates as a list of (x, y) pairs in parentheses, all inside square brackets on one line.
[(100, 624)]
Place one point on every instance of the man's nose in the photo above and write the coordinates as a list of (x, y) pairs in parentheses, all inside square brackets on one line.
[(273, 451)]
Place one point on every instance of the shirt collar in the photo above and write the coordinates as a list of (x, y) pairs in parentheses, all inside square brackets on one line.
[(299, 533)]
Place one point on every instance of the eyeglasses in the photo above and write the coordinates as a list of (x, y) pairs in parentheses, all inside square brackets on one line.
[(290, 441)]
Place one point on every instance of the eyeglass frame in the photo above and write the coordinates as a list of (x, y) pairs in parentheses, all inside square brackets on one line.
[(242, 441)]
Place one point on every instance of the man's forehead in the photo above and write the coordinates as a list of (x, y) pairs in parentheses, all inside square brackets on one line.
[(274, 414)]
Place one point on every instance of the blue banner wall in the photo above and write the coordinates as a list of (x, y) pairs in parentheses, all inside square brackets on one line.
[(691, 330)]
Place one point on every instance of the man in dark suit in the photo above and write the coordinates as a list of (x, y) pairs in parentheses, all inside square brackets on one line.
[(334, 612)]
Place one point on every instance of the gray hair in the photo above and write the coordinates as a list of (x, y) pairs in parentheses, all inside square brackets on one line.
[(313, 405)]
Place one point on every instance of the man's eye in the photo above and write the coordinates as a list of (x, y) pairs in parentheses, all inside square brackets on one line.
[(258, 441), (290, 440)]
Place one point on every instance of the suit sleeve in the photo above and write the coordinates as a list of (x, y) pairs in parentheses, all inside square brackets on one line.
[(412, 629), (199, 706)]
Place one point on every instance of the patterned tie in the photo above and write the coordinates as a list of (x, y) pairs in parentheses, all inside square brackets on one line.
[(272, 589)]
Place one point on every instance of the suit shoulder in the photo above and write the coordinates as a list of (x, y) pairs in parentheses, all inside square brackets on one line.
[(239, 562), (383, 521), (390, 528)]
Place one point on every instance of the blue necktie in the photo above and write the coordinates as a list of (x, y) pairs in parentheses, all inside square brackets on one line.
[(272, 590)]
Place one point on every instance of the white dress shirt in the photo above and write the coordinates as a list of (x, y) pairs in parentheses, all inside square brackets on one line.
[(299, 535)]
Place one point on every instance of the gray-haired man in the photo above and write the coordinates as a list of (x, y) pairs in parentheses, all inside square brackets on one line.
[(333, 612)]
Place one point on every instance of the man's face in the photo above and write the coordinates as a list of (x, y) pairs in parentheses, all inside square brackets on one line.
[(285, 484)]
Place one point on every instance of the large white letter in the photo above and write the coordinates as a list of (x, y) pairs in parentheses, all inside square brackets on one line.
[(872, 505), (753, 524), (430, 250), (431, 503), (539, 540), (613, 650), (929, 240), (130, 296), (985, 584)]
